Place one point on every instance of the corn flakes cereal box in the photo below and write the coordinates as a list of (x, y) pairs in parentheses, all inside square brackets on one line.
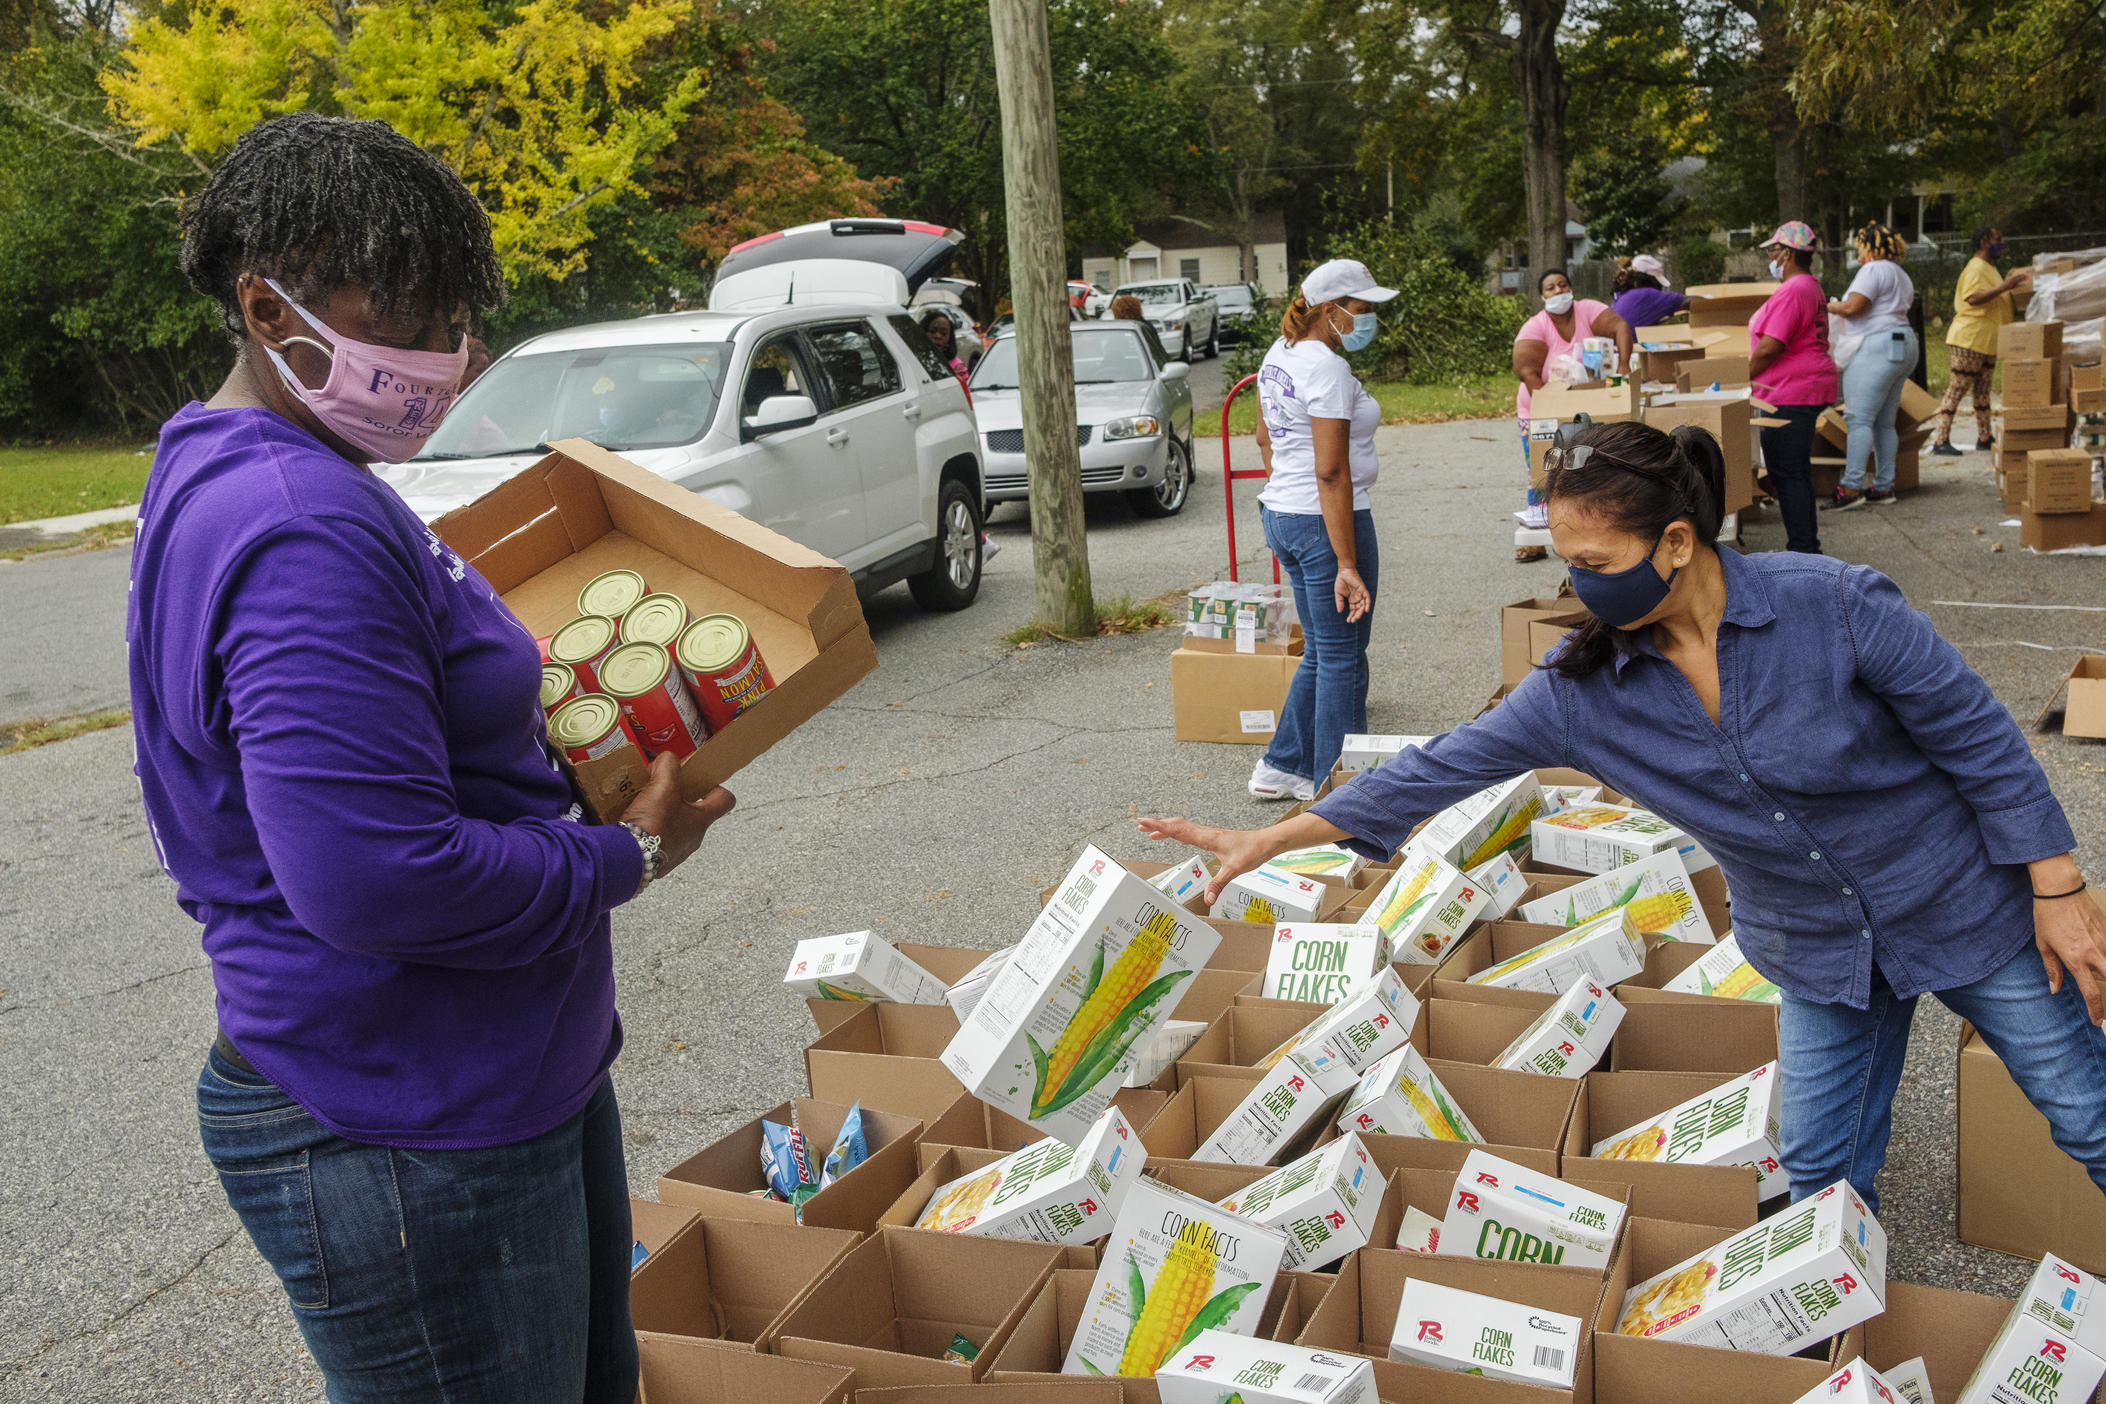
[(1568, 1038), (858, 966), (1657, 893), (1425, 907), (1400, 1096), (1320, 962), (1855, 1383), (1503, 882), (2052, 1348), (1472, 1334), (1324, 860), (1293, 1096), (1365, 1026), (1363, 751), (1502, 1210), (1606, 950), (1159, 1052), (1219, 1368), (1269, 894), (1735, 1123), (1325, 1203), (1493, 821), (1910, 1381), (963, 996), (1183, 882), (1724, 973), (1419, 1232), (1600, 838), (1049, 1192)]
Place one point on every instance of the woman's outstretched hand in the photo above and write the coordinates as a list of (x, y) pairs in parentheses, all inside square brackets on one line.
[(1235, 851)]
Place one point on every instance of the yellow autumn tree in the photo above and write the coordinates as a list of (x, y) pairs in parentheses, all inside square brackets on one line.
[(541, 108)]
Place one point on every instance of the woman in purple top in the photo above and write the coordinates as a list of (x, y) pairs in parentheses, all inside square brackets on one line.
[(342, 754), (1640, 294)]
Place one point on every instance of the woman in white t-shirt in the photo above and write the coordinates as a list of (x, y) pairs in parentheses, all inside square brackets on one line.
[(1316, 432), (1876, 348)]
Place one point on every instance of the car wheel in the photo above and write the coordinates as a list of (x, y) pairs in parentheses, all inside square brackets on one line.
[(1167, 498), (954, 581), (1214, 343), (1184, 348)]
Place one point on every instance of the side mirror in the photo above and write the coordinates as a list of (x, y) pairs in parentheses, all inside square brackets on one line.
[(776, 413), (1176, 370)]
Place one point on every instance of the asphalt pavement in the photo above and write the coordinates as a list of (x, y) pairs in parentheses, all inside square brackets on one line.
[(929, 804)]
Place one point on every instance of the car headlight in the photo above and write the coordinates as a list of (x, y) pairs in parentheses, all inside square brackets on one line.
[(1140, 426)]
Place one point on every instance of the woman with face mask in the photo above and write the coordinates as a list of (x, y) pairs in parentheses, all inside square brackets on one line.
[(1793, 373), (1882, 825), (1316, 433), (1981, 304), (1878, 353), (1548, 344), (343, 758)]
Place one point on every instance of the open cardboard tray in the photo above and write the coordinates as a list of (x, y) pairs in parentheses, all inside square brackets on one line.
[(540, 535)]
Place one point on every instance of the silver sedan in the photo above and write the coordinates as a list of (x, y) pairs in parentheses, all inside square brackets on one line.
[(1133, 415)]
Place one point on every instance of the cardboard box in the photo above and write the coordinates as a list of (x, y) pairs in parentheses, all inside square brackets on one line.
[(732, 1279), (1040, 1341), (1323, 860), (1797, 1278), (1723, 973), (1376, 1018), (889, 1309), (1855, 1383), (1606, 950), (1321, 963), (2052, 1344), (1725, 1039), (1218, 1366), (2061, 530), (888, 1056), (1565, 403), (2028, 341), (682, 1370), (1366, 751), (1473, 1334), (2085, 712), (1568, 1038), (1722, 372), (1425, 907), (1946, 1333), (1250, 1037), (1608, 1102), (1171, 1258), (1514, 658), (653, 1225), (2058, 480), (1728, 305), (1267, 894), (2087, 377), (2019, 1192), (1658, 365), (1502, 1210), (1049, 1192), (720, 1178), (2031, 383), (2020, 420), (1089, 937), (1604, 837), (1728, 420), (1734, 1123), (1282, 1109), (1056, 1391), (1656, 891), (1403, 1096), (541, 534), (1478, 829), (1231, 698), (1521, 1117), (1325, 1203)]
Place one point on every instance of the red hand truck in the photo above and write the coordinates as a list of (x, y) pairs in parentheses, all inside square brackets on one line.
[(1230, 474)]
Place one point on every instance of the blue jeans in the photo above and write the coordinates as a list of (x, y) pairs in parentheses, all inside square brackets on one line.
[(1328, 697), (1841, 1066), (1787, 453), (498, 1274), (1871, 396)]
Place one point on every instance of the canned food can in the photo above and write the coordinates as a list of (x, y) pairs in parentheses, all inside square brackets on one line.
[(558, 685), (654, 698), (542, 644), (589, 727), (582, 645), (724, 668), (656, 619), (612, 593)]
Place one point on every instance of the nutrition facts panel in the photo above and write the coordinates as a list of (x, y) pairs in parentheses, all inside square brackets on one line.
[(1769, 1324)]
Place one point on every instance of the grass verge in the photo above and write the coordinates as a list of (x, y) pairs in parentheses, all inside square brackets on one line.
[(1486, 397), (108, 534), (1118, 615), (61, 479), (20, 736)]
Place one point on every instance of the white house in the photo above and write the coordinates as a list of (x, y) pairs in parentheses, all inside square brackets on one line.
[(1176, 249)]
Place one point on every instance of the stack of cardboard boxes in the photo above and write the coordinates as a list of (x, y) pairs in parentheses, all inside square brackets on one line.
[(2042, 477)]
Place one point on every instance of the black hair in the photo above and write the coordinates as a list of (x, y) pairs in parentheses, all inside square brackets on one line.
[(323, 203), (1544, 277), (1628, 277), (1983, 234), (1802, 257), (1643, 481)]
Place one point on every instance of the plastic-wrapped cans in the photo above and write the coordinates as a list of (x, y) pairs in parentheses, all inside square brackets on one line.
[(654, 698), (589, 727), (583, 645), (612, 593), (724, 668), (558, 685), (655, 619)]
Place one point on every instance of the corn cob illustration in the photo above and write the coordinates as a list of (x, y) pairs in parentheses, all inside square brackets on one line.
[(1572, 911), (1663, 911), (1510, 835), (1744, 981), (1403, 897), (1260, 910), (1311, 862), (1589, 818), (1178, 1306), (1117, 1007), (827, 991), (1532, 955), (1433, 1107)]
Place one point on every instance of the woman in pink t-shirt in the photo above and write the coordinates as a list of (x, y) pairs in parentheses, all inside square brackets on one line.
[(1560, 329), (1793, 373)]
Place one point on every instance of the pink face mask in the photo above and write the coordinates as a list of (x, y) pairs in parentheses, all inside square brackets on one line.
[(379, 399)]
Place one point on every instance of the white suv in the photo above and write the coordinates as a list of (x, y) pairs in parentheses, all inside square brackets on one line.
[(806, 399)]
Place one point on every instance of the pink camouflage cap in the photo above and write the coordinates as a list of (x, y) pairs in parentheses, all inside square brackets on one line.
[(1792, 234)]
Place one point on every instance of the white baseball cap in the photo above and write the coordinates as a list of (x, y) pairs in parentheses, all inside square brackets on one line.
[(1343, 277), (1646, 263)]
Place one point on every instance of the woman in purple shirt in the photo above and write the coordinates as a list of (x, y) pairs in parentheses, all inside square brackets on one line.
[(341, 750), (1884, 829), (1640, 294)]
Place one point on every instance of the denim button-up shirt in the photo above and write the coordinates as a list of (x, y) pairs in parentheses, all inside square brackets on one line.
[(1866, 795)]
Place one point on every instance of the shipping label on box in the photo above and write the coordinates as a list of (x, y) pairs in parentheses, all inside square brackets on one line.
[(1503, 883), (1325, 1202), (1600, 838), (1183, 882), (1270, 894), (1324, 860), (1656, 892), (858, 966), (1105, 963), (1425, 907), (1292, 1096), (1372, 1021), (1495, 820), (1502, 1210), (1049, 1192), (1319, 963), (1605, 951), (1365, 751), (1400, 1096), (1158, 1053), (1217, 1367), (1724, 972), (1735, 1123), (1472, 1334), (1172, 1260), (1568, 1038), (1796, 1278)]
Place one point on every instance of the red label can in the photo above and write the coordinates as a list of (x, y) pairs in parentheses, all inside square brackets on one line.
[(612, 593), (589, 727), (558, 685), (582, 645), (654, 698), (724, 669)]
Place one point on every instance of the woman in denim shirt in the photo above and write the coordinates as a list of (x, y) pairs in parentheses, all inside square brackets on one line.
[(1884, 828)]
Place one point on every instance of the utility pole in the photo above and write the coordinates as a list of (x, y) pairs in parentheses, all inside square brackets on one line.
[(1038, 274)]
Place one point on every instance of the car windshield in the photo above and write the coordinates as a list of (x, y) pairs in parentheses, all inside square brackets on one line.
[(1103, 356), (1156, 294), (1231, 299), (619, 397)]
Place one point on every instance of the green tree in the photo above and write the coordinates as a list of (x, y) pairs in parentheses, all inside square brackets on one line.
[(1446, 325), (1624, 197)]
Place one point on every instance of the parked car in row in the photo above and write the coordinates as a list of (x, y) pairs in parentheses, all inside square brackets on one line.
[(1087, 298), (1237, 304), (1182, 315), (1133, 417), (806, 398)]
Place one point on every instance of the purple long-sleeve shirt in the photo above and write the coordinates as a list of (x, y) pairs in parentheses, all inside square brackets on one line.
[(341, 748)]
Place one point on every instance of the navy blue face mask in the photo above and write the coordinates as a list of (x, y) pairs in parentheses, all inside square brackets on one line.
[(1620, 598)]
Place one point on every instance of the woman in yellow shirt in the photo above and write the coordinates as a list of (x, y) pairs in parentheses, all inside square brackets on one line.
[(1981, 303)]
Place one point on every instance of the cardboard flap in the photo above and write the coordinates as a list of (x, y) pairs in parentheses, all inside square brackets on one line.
[(682, 1370)]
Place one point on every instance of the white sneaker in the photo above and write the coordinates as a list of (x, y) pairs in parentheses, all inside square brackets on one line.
[(1268, 783), (989, 548)]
